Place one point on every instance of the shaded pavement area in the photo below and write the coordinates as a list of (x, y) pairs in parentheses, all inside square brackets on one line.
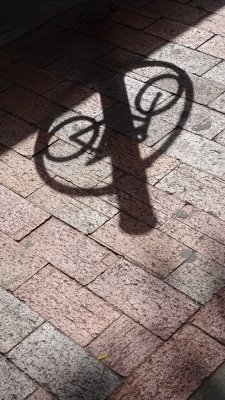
[(112, 201)]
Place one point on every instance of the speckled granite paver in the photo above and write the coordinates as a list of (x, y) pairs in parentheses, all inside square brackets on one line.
[(112, 201), (63, 366)]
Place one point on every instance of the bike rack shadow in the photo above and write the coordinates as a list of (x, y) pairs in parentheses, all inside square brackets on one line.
[(137, 135)]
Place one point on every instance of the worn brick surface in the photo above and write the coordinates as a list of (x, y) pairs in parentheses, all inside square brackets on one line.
[(80, 70), (17, 264), (198, 152), (219, 103), (27, 105), (204, 222), (82, 211), (72, 309), (76, 170), (40, 394), (20, 174), (213, 387), (128, 121), (195, 239), (4, 61), (30, 77), (14, 383), (77, 256), (131, 64), (179, 33), (195, 282), (144, 298), (215, 47), (126, 344), (178, 12), (79, 98), (211, 317), (176, 369), (4, 85), (204, 90), (126, 89), (196, 187), (17, 321), (22, 136), (130, 19), (217, 73), (63, 366), (220, 138), (94, 28), (83, 45), (18, 217), (188, 59), (153, 250), (213, 23), (132, 39)]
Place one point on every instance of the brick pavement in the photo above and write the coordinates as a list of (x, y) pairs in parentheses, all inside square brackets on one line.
[(112, 210)]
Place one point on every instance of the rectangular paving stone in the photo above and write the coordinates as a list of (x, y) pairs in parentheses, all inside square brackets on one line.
[(130, 19), (20, 174), (211, 317), (132, 39), (4, 85), (198, 152), (63, 367), (214, 47), (80, 70), (77, 256), (76, 169), (204, 90), (125, 89), (40, 394), (151, 249), (195, 239), (194, 282), (83, 45), (30, 76), (18, 217), (191, 60), (220, 138), (179, 33), (176, 369), (4, 61), (219, 103), (217, 73), (209, 5), (63, 302), (17, 264), (27, 105), (149, 301), (131, 64), (73, 206), (14, 384), (213, 23), (213, 387), (126, 120), (112, 147), (126, 344), (80, 99), (197, 118), (93, 28), (22, 136), (17, 321), (204, 222), (177, 12), (197, 188), (159, 200)]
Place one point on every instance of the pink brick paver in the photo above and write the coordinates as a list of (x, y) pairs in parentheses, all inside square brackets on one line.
[(79, 313), (211, 317), (112, 217), (176, 369)]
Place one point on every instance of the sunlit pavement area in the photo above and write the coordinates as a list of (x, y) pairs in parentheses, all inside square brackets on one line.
[(112, 201)]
